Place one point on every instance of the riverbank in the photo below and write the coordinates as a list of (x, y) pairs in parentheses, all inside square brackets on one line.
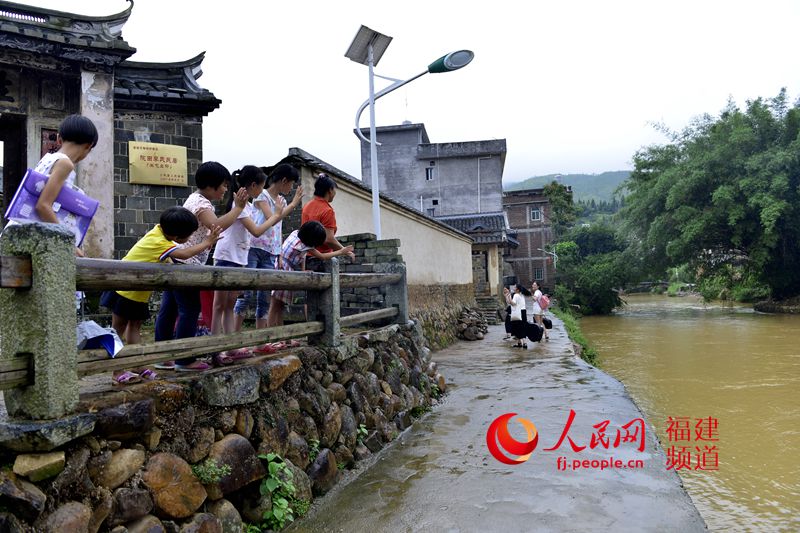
[(789, 306), (440, 476)]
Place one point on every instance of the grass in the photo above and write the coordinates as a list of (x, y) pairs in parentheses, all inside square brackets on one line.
[(574, 332)]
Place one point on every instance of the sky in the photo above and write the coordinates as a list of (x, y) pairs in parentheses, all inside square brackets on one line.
[(573, 86)]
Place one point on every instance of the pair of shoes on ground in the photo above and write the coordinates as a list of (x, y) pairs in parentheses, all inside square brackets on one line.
[(129, 378), (231, 356), (194, 366), (524, 346)]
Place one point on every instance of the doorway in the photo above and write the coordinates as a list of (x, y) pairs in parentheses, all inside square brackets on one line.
[(13, 147)]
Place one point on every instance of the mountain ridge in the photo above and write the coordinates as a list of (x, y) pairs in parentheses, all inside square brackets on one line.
[(599, 187)]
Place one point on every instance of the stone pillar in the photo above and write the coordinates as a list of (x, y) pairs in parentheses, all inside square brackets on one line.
[(40, 321), (96, 172), (324, 306), (397, 294)]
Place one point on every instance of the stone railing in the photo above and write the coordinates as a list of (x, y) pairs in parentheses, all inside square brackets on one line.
[(39, 365)]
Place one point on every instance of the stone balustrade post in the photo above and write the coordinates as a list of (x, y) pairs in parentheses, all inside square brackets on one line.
[(40, 322), (397, 293), (324, 306)]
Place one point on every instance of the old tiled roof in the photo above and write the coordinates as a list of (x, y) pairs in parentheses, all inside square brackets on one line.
[(485, 228), (59, 34), (163, 86), (301, 156)]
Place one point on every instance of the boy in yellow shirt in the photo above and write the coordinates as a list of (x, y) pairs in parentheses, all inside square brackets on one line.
[(159, 245)]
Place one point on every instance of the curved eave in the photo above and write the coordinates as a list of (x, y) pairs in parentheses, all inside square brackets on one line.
[(116, 19), (192, 63), (165, 102)]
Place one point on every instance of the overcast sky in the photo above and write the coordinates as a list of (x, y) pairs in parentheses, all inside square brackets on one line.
[(573, 86)]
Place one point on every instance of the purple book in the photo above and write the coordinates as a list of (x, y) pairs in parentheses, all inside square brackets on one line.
[(73, 208)]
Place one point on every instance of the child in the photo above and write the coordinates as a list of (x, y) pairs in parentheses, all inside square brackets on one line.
[(297, 245), (183, 305), (130, 308), (233, 250), (265, 250), (78, 136)]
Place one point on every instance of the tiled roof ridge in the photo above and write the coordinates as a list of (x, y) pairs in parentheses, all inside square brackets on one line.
[(34, 21)]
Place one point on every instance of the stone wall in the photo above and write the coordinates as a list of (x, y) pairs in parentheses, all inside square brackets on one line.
[(137, 208), (438, 308), (127, 459)]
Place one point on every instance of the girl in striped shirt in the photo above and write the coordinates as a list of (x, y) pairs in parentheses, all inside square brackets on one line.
[(296, 247)]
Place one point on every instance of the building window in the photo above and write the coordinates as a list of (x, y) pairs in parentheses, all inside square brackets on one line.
[(431, 212), (429, 173), (536, 215), (538, 274), (435, 202), (433, 163)]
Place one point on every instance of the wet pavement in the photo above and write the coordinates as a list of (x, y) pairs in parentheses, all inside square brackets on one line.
[(440, 476)]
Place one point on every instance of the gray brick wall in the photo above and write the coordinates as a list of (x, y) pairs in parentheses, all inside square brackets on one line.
[(138, 207)]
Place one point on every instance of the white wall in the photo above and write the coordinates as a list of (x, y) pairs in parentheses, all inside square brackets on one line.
[(433, 254)]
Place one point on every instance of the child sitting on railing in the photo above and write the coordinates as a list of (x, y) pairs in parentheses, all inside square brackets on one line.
[(130, 308), (297, 245)]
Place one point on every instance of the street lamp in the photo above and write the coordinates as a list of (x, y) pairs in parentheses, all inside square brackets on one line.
[(555, 257), (367, 48)]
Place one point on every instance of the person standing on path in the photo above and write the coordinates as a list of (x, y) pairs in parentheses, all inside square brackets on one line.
[(518, 318), (538, 312)]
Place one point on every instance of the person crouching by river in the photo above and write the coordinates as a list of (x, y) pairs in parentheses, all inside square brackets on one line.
[(516, 301)]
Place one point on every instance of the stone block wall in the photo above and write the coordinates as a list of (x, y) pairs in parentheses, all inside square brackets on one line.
[(438, 308), (126, 460), (137, 208), (371, 256)]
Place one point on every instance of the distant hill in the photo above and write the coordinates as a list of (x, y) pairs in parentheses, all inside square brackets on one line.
[(584, 186)]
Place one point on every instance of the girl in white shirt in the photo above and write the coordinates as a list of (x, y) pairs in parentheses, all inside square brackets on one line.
[(538, 313), (232, 251), (518, 318)]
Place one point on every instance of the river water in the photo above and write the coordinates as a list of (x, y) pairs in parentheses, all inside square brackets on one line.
[(681, 358)]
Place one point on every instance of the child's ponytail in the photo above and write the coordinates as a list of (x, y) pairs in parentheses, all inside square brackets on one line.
[(244, 177)]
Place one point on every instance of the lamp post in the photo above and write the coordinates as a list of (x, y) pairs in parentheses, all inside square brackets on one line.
[(367, 48), (555, 257)]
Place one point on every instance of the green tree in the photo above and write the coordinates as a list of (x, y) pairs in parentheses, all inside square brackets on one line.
[(725, 191), (563, 212), (592, 265)]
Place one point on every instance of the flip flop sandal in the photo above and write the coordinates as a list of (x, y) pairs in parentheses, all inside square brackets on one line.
[(265, 349), (126, 378), (293, 344), (239, 353), (196, 366), (148, 375), (279, 345), (222, 359), (166, 365)]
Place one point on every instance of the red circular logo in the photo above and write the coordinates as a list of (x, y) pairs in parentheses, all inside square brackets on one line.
[(498, 432)]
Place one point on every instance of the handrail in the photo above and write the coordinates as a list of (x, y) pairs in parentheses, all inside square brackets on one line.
[(39, 274), (106, 274)]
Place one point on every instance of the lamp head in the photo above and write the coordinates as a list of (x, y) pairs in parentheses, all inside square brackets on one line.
[(451, 61)]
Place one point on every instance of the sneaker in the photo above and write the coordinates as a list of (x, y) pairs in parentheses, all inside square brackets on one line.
[(197, 366), (165, 365)]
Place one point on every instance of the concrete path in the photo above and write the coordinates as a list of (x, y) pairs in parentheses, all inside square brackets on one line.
[(440, 476)]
